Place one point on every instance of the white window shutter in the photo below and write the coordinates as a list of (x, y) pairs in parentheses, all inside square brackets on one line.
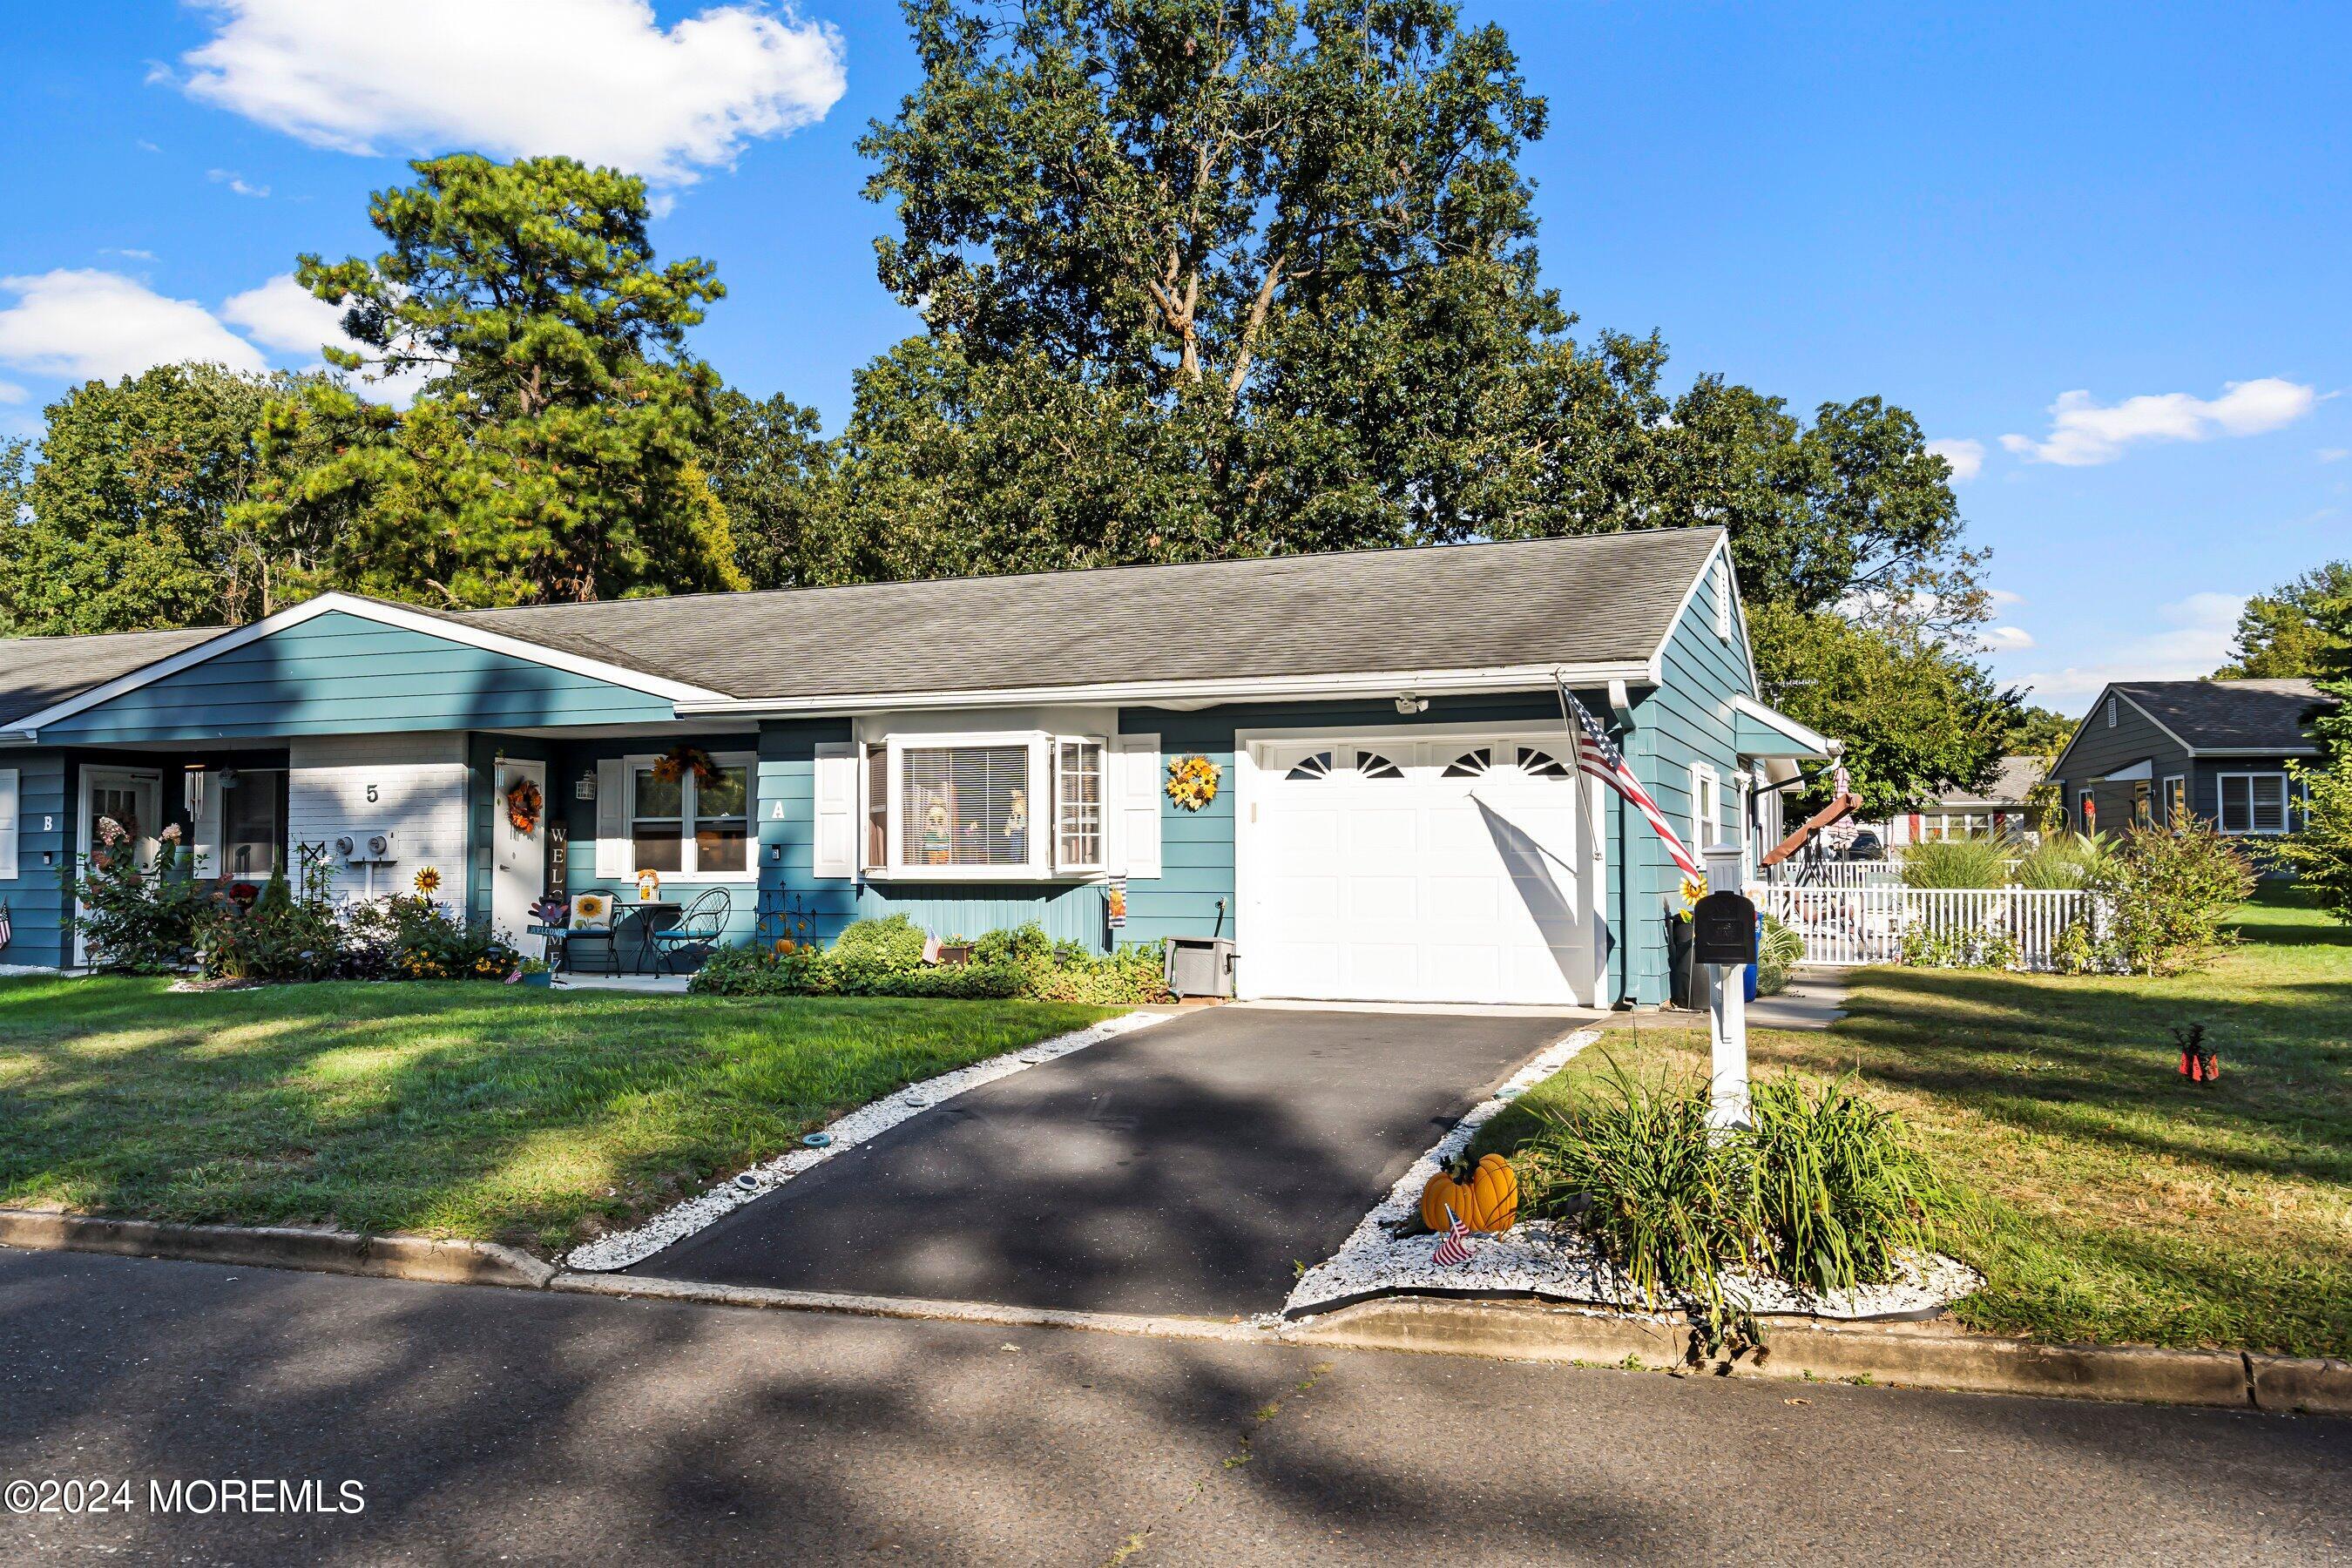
[(613, 850), (1138, 800), (836, 811), (9, 795)]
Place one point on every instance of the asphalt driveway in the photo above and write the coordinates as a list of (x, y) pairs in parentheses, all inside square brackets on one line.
[(1189, 1167)]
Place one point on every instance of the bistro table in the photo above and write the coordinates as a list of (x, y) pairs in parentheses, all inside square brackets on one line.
[(646, 912)]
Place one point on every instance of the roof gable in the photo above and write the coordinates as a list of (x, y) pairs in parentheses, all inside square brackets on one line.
[(41, 672)]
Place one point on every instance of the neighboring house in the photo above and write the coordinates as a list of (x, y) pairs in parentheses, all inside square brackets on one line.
[(1999, 808), (2162, 752), (1399, 816)]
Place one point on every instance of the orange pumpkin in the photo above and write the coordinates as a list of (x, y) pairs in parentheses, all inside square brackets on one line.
[(1486, 1198)]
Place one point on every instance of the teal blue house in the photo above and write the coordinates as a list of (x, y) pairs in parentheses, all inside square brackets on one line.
[(1392, 809)]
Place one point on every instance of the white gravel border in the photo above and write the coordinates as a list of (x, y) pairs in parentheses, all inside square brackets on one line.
[(1554, 1262), (621, 1248)]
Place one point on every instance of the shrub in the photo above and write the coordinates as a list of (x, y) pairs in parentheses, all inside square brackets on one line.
[(2167, 891), (1838, 1188), (1778, 952), (134, 920), (2321, 855), (1958, 863), (285, 934), (885, 958), (1978, 947)]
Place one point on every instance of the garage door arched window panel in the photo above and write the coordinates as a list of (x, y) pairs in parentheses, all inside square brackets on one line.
[(1372, 765), (1314, 765), (1474, 764), (1541, 764)]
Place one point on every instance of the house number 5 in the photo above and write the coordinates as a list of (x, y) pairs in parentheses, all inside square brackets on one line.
[(371, 795)]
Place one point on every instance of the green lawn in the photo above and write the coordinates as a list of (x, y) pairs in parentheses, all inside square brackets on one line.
[(441, 1109), (2103, 1195)]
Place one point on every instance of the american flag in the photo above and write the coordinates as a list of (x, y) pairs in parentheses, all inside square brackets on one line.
[(1453, 1246), (1597, 757)]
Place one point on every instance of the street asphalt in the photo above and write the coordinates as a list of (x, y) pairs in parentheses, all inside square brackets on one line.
[(1189, 1167), (485, 1424)]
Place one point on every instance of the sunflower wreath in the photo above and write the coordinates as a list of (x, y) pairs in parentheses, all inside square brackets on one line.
[(1192, 782)]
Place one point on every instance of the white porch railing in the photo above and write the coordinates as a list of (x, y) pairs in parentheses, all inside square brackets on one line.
[(1848, 926)]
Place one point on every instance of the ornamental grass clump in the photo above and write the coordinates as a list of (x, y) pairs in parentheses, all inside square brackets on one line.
[(1631, 1163), (2064, 861), (1825, 1190), (1958, 863), (1838, 1189)]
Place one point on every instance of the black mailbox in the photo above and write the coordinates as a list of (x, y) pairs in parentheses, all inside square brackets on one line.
[(1724, 930)]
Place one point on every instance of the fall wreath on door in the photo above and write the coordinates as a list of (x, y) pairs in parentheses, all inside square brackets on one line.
[(525, 805)]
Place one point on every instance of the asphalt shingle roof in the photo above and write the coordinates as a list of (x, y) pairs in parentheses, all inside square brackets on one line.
[(2008, 786), (1607, 598), (1604, 598), (2252, 713), (37, 671)]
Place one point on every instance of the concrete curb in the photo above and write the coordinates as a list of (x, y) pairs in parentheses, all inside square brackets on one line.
[(1171, 1327), (321, 1251), (1925, 1355)]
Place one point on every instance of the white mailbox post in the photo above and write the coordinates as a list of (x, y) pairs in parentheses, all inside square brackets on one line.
[(1726, 1011)]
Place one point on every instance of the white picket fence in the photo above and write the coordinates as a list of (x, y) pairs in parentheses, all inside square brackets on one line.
[(1834, 874), (1848, 926)]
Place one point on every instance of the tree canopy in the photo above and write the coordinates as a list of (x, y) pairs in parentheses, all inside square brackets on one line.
[(128, 501), (555, 454), (2298, 629)]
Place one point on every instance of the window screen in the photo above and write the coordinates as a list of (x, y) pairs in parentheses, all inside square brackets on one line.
[(964, 805)]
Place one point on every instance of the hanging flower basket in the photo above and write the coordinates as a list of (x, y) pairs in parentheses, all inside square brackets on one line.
[(676, 764), (1192, 782), (525, 805)]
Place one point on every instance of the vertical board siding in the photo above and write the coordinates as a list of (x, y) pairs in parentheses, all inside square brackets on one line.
[(35, 897), (1687, 719), (341, 674)]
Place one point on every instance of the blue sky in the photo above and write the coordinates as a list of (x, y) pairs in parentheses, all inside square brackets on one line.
[(2141, 210)]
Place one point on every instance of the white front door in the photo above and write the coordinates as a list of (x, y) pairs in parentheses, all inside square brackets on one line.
[(519, 859), (121, 805), (1392, 867)]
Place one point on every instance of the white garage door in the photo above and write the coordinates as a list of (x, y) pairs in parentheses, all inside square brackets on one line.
[(1398, 868)]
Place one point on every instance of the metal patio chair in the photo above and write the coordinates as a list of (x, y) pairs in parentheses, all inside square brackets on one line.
[(701, 924), (592, 918)]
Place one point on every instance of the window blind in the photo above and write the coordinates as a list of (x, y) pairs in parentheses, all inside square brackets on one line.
[(964, 805)]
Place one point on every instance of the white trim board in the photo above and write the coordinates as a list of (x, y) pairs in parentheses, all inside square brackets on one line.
[(395, 616)]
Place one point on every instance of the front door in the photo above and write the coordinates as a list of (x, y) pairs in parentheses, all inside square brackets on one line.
[(121, 814), (518, 865)]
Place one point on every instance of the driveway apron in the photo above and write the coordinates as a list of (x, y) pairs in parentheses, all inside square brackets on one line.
[(1190, 1167)]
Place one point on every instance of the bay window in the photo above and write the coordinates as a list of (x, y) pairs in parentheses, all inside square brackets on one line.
[(983, 807)]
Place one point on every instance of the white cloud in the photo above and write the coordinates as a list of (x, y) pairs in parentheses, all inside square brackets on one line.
[(11, 393), (599, 79), (2083, 432), (283, 315), (2000, 598), (235, 181), (2334, 454), (2199, 632), (1967, 458), (128, 254), (2005, 640), (84, 324)]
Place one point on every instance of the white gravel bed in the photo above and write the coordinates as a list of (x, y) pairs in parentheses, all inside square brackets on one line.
[(621, 1248), (1556, 1263)]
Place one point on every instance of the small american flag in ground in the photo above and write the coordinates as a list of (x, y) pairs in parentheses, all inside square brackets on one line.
[(1597, 757), (1453, 1248)]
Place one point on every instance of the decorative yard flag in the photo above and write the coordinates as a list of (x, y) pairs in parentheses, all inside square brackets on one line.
[(1453, 1249), (1595, 755), (7, 932)]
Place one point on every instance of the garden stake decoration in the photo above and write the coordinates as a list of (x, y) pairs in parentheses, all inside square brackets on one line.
[(2198, 1062)]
